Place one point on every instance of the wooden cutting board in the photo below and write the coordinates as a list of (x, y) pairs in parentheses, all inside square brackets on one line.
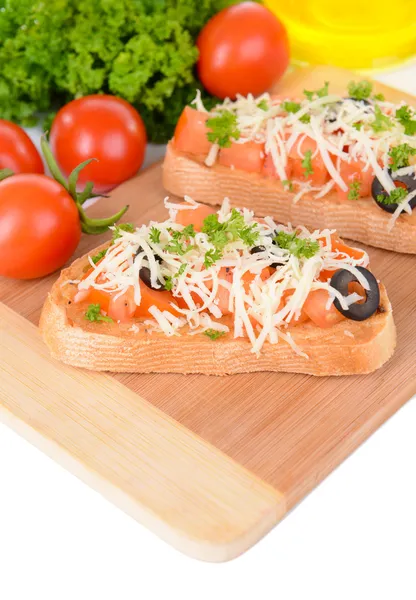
[(210, 464)]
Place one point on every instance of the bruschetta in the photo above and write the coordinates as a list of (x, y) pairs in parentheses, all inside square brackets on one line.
[(324, 161), (220, 293)]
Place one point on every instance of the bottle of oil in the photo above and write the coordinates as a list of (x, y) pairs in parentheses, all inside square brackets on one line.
[(355, 34)]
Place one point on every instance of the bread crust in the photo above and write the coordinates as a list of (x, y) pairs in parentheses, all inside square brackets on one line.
[(360, 220), (116, 348)]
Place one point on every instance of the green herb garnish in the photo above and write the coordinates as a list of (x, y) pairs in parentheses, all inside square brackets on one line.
[(289, 184), (129, 227), (299, 247), (400, 156), (181, 270), (154, 235), (220, 234), (354, 190), (305, 119), (405, 118), (358, 125), (223, 127), (381, 122), (97, 257), (307, 163), (360, 90), (291, 107), (93, 314), (168, 283), (395, 196), (263, 105), (213, 334), (379, 97), (211, 257), (177, 244), (323, 91)]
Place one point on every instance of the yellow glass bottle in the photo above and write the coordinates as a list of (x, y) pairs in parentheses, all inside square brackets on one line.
[(349, 33)]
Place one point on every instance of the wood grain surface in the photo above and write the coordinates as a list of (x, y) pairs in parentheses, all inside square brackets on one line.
[(285, 431)]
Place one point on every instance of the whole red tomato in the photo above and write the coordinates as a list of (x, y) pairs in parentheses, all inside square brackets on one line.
[(17, 151), (39, 226), (104, 127), (243, 49)]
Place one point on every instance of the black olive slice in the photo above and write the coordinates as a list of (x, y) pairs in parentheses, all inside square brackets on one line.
[(144, 272), (378, 190), (334, 108), (356, 312), (257, 249)]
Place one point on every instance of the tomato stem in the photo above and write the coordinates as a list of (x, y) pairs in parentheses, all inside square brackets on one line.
[(4, 173), (73, 179), (90, 226), (96, 226)]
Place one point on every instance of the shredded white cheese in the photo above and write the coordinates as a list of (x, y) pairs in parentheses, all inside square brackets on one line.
[(251, 300)]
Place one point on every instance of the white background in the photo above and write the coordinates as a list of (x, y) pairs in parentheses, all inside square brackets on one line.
[(353, 538)]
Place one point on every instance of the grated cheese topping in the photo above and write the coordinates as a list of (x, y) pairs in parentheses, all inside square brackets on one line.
[(259, 303), (341, 129)]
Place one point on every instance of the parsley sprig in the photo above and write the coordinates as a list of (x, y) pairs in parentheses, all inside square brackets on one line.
[(223, 127), (323, 91), (97, 257), (400, 156), (360, 90), (220, 234), (354, 190), (129, 227), (154, 235), (213, 334), (93, 314), (307, 163), (263, 105), (287, 183), (395, 196), (178, 243), (299, 247), (405, 118), (381, 121)]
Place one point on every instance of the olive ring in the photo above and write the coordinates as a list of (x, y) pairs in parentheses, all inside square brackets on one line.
[(356, 312), (377, 189), (144, 272)]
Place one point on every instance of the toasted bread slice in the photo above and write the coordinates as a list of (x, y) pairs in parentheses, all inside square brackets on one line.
[(360, 220), (349, 347)]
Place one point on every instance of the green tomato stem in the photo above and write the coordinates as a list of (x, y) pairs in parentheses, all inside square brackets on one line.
[(51, 162), (4, 173), (90, 226), (73, 178)]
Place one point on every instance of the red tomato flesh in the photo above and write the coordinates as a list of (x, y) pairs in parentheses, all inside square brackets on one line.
[(247, 157), (315, 308), (194, 217), (191, 132)]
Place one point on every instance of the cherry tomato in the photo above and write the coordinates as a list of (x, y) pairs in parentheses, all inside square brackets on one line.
[(243, 49), (315, 307), (247, 157), (103, 127), (191, 132), (39, 226), (17, 151), (194, 217)]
